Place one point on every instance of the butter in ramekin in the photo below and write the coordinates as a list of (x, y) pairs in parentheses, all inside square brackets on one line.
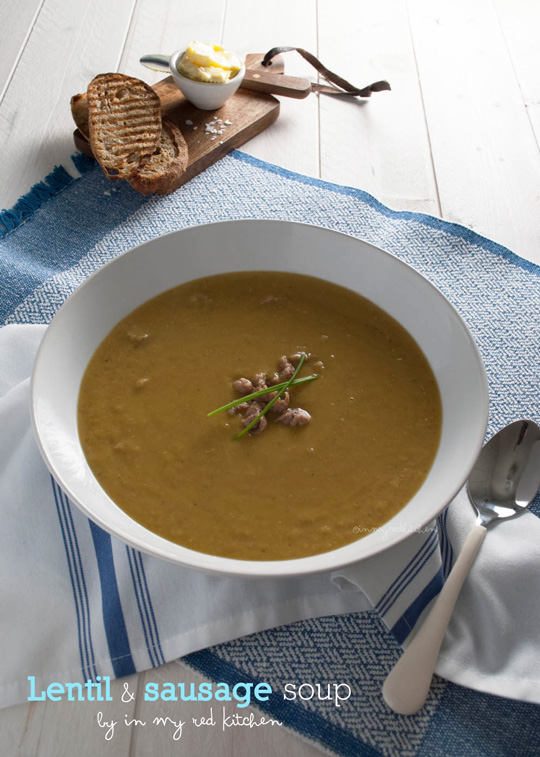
[(205, 62)]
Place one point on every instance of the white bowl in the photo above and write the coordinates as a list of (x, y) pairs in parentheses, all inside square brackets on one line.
[(134, 277), (202, 94)]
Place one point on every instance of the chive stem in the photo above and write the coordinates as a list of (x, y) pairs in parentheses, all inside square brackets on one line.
[(272, 401), (261, 392)]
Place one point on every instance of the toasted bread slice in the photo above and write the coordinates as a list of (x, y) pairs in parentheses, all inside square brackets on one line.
[(124, 121), (165, 168)]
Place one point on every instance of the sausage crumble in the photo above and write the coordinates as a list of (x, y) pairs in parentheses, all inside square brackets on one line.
[(250, 409)]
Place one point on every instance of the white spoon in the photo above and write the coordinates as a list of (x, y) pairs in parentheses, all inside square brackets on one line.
[(503, 482)]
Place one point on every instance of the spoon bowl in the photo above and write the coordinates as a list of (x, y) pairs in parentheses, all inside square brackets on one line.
[(503, 480)]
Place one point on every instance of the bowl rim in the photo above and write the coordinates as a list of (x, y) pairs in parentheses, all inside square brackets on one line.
[(318, 563)]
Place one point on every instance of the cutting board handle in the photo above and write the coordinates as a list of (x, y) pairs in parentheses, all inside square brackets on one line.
[(276, 84)]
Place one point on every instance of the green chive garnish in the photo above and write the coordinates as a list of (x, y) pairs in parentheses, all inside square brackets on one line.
[(272, 401), (261, 392)]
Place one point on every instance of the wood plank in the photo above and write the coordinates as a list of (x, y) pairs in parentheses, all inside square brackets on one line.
[(35, 120), (20, 728), (388, 151), (293, 141), (533, 111), (49, 729), (14, 31), (520, 25), (485, 155), (72, 727)]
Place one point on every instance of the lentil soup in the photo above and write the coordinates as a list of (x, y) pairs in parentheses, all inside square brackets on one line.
[(295, 490)]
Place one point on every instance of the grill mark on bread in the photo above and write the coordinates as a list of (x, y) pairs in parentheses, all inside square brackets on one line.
[(126, 112), (123, 131), (125, 137)]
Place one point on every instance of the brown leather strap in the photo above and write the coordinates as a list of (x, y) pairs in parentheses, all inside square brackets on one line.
[(342, 86)]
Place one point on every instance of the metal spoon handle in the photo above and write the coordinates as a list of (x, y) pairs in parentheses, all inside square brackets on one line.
[(408, 683)]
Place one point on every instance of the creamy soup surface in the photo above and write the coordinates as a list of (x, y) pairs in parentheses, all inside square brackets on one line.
[(286, 493)]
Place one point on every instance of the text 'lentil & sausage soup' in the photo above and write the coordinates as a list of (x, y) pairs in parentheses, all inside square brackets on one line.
[(333, 458)]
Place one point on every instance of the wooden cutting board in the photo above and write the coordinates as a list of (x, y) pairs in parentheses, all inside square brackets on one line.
[(243, 116)]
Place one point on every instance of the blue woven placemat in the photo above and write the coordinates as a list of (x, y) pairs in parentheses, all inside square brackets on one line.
[(63, 230)]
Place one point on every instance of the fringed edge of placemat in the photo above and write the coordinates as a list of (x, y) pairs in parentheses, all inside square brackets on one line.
[(56, 181), (59, 179)]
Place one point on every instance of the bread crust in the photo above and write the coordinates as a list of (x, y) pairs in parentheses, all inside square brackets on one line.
[(163, 172), (124, 123), (79, 111)]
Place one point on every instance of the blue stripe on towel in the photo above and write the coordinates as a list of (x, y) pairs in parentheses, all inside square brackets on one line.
[(406, 623), (84, 597), (78, 583), (407, 574), (418, 569), (113, 616), (148, 601), (141, 613), (146, 614)]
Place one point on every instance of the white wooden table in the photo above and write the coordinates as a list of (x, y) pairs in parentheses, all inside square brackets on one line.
[(457, 137)]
